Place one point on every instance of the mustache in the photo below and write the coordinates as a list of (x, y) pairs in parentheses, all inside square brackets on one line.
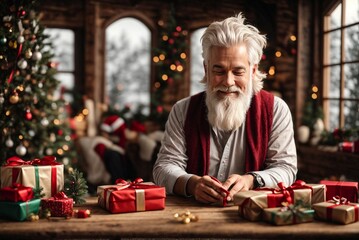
[(230, 89)]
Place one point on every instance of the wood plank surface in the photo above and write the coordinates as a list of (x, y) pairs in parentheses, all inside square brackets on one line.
[(214, 223)]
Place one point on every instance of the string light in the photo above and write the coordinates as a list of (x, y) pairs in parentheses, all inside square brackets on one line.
[(278, 54), (164, 77), (156, 59), (173, 67), (271, 70), (293, 38), (162, 57)]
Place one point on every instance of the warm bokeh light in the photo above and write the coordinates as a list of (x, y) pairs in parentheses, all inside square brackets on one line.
[(278, 54), (156, 59), (315, 89), (180, 68), (165, 38), (293, 38), (314, 96), (164, 77), (162, 57), (173, 67), (271, 70), (183, 56)]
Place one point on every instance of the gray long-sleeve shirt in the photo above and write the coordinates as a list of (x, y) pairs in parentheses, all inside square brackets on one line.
[(227, 150)]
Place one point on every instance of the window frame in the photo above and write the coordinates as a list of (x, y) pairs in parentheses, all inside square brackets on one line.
[(326, 66)]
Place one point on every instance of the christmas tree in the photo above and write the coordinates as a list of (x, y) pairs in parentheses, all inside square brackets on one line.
[(170, 60), (32, 122)]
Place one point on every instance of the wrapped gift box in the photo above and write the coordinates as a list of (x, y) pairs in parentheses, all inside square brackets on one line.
[(16, 193), (349, 190), (288, 215), (251, 203), (131, 197), (43, 173), (19, 211), (59, 205), (344, 212)]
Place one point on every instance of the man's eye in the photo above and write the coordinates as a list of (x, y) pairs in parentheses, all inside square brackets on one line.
[(218, 72), (240, 73)]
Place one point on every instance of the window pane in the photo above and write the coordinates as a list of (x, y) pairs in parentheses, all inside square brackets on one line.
[(334, 43), (334, 82), (128, 62), (197, 71), (352, 43), (335, 17), (351, 11), (333, 114), (63, 41), (67, 84), (351, 89), (351, 113)]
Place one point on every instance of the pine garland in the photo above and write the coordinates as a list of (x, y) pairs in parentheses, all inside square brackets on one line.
[(76, 186)]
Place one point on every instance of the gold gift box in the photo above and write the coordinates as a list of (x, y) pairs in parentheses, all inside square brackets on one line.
[(339, 213), (251, 203)]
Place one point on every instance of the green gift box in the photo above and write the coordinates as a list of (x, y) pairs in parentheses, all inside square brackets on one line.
[(19, 211), (281, 216)]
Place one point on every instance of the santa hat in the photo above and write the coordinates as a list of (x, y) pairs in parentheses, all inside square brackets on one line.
[(114, 124)]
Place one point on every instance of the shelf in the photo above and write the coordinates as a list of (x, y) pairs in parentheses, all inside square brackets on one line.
[(315, 164)]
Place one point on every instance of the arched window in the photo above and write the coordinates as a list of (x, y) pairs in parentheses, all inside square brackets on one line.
[(63, 48), (197, 71), (128, 60)]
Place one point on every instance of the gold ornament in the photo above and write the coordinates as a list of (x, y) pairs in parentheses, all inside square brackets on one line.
[(186, 217), (14, 98)]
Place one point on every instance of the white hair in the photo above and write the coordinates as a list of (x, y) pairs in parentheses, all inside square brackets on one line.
[(233, 31)]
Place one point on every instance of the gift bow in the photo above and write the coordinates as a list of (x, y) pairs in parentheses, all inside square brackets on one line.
[(60, 195), (16, 161), (340, 200), (286, 191)]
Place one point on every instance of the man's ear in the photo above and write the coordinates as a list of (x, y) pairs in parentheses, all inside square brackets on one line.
[(254, 69), (205, 67)]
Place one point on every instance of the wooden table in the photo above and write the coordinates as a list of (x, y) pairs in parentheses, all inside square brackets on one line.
[(214, 222)]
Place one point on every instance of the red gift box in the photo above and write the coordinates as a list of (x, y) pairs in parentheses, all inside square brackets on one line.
[(131, 197), (348, 190), (16, 193), (59, 205)]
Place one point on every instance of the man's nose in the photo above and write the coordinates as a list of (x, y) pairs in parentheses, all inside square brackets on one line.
[(229, 80)]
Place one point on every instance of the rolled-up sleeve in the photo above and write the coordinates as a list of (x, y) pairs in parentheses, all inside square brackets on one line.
[(171, 160)]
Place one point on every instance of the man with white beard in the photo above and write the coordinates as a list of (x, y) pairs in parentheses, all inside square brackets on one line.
[(234, 136)]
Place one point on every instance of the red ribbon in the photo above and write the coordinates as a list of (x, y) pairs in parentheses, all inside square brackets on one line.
[(16, 161), (225, 191), (13, 71), (60, 195), (338, 201)]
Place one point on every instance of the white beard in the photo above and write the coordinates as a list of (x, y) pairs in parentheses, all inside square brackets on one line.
[(229, 113)]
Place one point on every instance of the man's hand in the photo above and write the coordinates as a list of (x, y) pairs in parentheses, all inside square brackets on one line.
[(237, 183), (205, 189)]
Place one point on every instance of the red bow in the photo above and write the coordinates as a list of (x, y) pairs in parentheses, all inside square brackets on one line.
[(16, 161), (340, 200), (60, 195)]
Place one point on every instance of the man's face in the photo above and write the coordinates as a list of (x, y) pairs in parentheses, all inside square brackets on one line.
[(229, 86), (228, 67)]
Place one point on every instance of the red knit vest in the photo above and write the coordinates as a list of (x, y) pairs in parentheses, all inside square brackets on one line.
[(258, 127)]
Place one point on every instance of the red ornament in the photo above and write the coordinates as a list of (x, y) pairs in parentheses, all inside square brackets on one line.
[(28, 115), (171, 41), (60, 132), (159, 109)]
